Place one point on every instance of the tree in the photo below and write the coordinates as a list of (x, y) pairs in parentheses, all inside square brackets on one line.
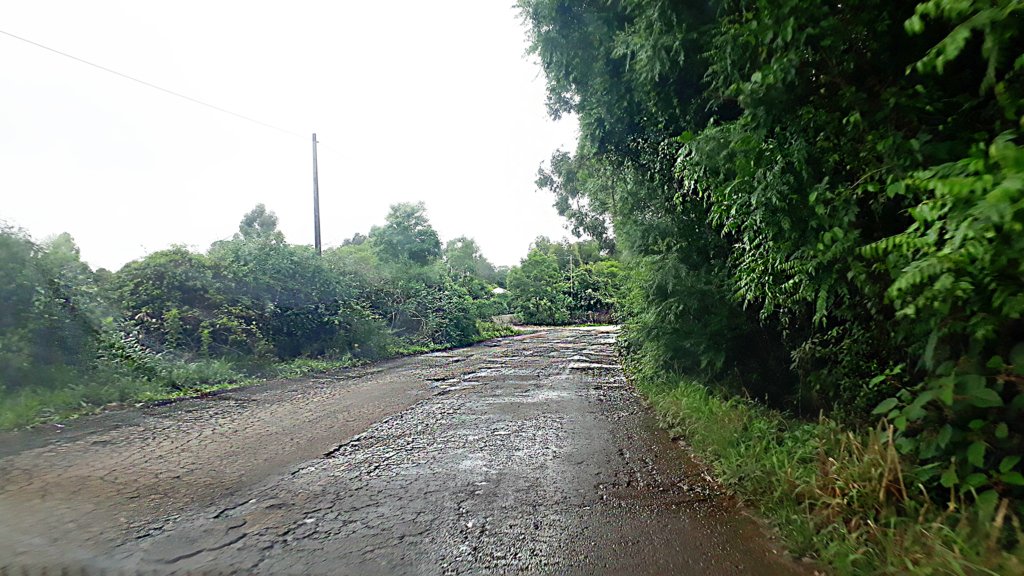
[(823, 197), (500, 275), (47, 328), (407, 236), (357, 239), (463, 257), (260, 224), (537, 290)]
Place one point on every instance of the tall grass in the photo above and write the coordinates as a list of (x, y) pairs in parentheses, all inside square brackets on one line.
[(489, 330), (187, 375), (37, 405), (844, 498), (78, 392)]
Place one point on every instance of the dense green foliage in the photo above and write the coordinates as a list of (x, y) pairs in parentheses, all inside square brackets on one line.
[(562, 283), (47, 292), (177, 319), (821, 205), (256, 295)]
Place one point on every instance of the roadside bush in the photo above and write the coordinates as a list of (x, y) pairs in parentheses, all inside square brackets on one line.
[(177, 321), (563, 283), (490, 330), (175, 299), (46, 332), (492, 305)]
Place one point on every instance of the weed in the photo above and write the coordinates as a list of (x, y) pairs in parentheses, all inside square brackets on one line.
[(74, 393), (489, 330), (845, 498)]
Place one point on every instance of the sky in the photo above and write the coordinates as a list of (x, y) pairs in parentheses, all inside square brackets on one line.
[(410, 100)]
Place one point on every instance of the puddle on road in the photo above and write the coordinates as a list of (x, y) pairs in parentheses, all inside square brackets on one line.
[(533, 396)]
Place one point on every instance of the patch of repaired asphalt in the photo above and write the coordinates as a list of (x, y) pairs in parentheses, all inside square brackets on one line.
[(539, 459)]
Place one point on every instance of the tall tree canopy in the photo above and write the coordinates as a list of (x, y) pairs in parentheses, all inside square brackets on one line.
[(464, 258), (259, 223), (407, 236)]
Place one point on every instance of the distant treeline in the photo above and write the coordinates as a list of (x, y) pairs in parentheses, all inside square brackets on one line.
[(565, 283), (177, 318)]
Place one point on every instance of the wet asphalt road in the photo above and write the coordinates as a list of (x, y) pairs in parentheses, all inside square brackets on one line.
[(529, 455)]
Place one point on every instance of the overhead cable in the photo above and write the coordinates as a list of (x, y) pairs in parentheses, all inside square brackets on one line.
[(171, 92)]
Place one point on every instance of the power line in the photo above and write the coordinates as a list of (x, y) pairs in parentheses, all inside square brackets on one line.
[(217, 108), (340, 155)]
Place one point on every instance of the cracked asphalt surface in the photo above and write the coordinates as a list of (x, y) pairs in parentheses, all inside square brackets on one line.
[(525, 455)]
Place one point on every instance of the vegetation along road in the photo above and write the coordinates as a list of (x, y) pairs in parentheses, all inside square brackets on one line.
[(525, 454), (807, 217)]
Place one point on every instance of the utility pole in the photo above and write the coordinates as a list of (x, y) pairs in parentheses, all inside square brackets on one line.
[(572, 278), (316, 201)]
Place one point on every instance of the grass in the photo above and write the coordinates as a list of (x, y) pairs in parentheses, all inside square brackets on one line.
[(77, 394), (491, 330), (92, 391), (37, 405), (843, 498)]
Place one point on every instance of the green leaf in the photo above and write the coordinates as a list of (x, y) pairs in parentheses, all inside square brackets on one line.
[(987, 501), (944, 435), (1013, 478), (927, 450), (914, 412), (1002, 431), (945, 392), (985, 398), (971, 383), (976, 454), (946, 368), (905, 445), (900, 423), (929, 350), (886, 405), (995, 363), (949, 478), (976, 424), (895, 188), (1008, 463), (1017, 358), (914, 25), (787, 31), (976, 480)]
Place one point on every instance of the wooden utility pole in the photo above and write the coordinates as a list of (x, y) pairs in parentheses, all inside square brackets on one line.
[(316, 201)]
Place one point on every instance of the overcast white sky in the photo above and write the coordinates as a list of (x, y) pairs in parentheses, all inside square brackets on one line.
[(428, 101)]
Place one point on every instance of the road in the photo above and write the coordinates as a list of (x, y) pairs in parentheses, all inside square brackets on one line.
[(525, 455)]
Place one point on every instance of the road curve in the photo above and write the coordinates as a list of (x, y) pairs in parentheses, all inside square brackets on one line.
[(526, 455)]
